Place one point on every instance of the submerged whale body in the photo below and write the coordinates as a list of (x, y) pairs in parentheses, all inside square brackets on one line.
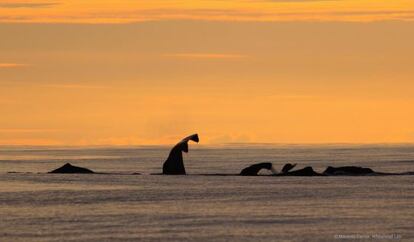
[(174, 164), (68, 168), (307, 171), (254, 169), (287, 167), (347, 170)]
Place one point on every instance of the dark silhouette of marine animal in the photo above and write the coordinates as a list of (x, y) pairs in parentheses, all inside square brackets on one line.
[(307, 171), (347, 170), (287, 167), (68, 168), (174, 164), (254, 169)]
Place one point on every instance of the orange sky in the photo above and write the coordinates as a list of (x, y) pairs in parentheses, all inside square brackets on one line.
[(151, 72), (127, 11)]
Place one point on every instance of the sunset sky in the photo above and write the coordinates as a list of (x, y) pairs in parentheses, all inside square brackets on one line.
[(259, 71)]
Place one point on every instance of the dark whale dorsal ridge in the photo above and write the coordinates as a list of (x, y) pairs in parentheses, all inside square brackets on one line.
[(174, 165), (307, 171), (348, 170), (287, 167), (254, 169), (68, 168)]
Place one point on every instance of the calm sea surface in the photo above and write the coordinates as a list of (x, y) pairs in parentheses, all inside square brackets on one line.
[(35, 206)]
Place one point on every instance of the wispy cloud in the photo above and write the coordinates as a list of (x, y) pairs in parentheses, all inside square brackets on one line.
[(11, 65), (29, 141), (230, 10), (292, 97), (290, 1), (56, 85), (18, 130), (27, 5), (74, 86), (208, 56)]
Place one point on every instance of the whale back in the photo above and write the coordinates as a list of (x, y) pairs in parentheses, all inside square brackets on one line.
[(307, 171), (348, 170), (287, 167), (68, 168), (255, 168)]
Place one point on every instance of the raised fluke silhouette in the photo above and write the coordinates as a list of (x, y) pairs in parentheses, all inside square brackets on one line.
[(253, 170), (68, 168), (174, 165)]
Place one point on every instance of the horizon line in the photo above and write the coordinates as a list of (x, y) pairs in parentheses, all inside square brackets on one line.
[(229, 144)]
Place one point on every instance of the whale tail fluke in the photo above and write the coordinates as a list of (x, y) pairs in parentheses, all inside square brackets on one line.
[(174, 165), (184, 142)]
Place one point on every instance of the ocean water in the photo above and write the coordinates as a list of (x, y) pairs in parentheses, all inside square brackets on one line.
[(121, 206)]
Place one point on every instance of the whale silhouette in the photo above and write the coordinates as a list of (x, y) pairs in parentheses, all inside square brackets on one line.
[(307, 171), (287, 167), (347, 170), (255, 168), (68, 168), (174, 164)]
